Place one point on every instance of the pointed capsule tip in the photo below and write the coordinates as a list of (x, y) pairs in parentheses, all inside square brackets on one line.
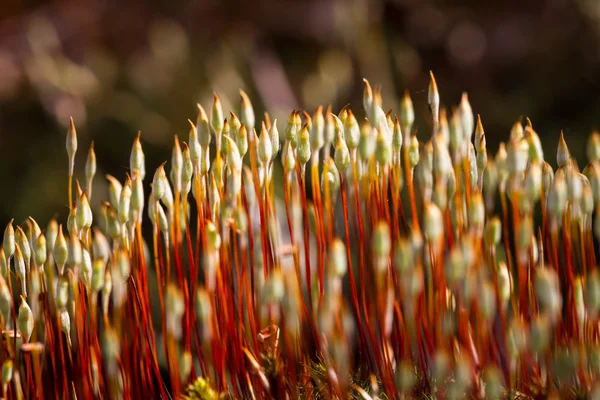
[(245, 98), (201, 113), (432, 78), (529, 124)]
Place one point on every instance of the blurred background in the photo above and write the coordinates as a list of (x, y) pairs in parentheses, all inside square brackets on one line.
[(119, 67)]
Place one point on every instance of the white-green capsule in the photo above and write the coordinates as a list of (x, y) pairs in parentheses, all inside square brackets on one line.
[(114, 190), (383, 150), (593, 147), (203, 128), (23, 245), (337, 258), (265, 146), (159, 182), (32, 233), (317, 129), (60, 249), (203, 308), (433, 222), (7, 374), (592, 293), (20, 269), (187, 170), (407, 117), (516, 132), (125, 202), (137, 159), (413, 151), (275, 144), (467, 119), (368, 99), (6, 299), (288, 158), (25, 320), (213, 239), (351, 131), (330, 178), (246, 111), (342, 154), (397, 135), (65, 325), (90, 167), (113, 228), (381, 242), (8, 243), (433, 99), (562, 153), (274, 289), (3, 265), (74, 253), (517, 156), (163, 221), (216, 119), (242, 141), (71, 145), (548, 295), (442, 163), (329, 132), (536, 153), (86, 268), (176, 166), (168, 198), (303, 151), (136, 207), (72, 221), (556, 202), (234, 160), (234, 183), (366, 147), (194, 146), (533, 181), (98, 272), (123, 265), (455, 134), (84, 212)]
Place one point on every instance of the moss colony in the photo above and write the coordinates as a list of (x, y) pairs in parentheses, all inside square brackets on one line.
[(336, 259)]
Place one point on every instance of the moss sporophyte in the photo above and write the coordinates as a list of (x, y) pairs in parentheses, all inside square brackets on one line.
[(367, 262)]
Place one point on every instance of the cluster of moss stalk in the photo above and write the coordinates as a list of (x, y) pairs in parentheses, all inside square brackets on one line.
[(385, 272)]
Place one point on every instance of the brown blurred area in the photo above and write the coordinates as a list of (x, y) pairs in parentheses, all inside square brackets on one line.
[(122, 66)]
